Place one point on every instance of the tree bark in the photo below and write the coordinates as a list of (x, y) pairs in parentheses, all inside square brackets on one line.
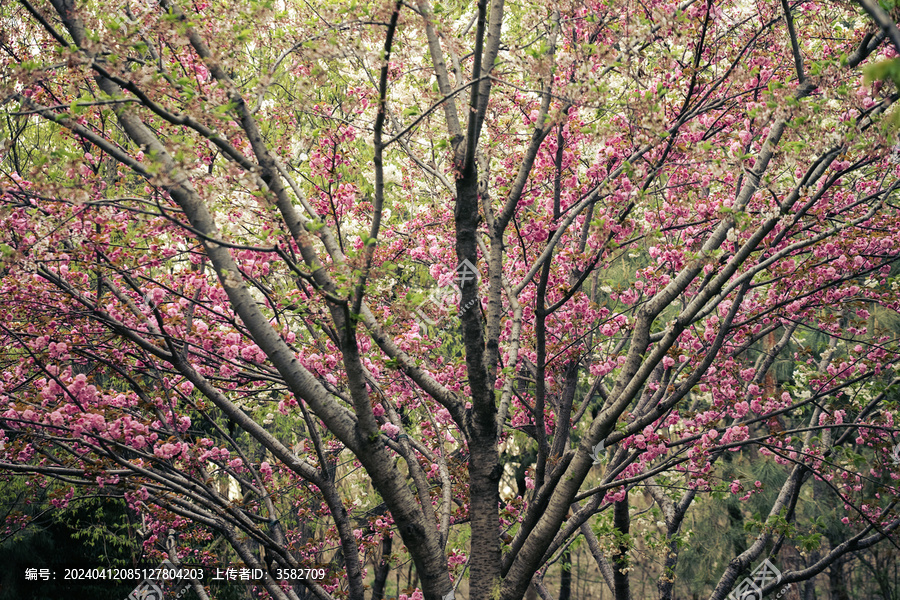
[(622, 524)]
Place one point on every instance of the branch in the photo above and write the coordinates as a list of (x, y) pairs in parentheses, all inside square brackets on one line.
[(46, 24), (378, 161), (442, 76), (883, 20), (795, 47)]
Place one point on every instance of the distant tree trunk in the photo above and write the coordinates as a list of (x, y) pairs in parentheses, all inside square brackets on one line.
[(792, 562), (565, 577), (809, 590), (383, 569), (622, 523), (736, 519), (837, 582)]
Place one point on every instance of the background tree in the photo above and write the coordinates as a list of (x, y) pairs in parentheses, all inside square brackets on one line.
[(309, 278)]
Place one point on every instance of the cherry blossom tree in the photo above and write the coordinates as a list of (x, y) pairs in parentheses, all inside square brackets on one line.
[(473, 281)]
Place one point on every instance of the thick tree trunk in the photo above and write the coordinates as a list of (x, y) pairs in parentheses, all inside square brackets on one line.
[(484, 458), (484, 497)]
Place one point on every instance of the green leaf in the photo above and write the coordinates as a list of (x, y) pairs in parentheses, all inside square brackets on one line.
[(885, 70)]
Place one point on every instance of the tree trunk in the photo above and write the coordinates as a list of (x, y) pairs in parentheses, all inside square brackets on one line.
[(622, 523), (383, 570), (837, 582), (565, 576)]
